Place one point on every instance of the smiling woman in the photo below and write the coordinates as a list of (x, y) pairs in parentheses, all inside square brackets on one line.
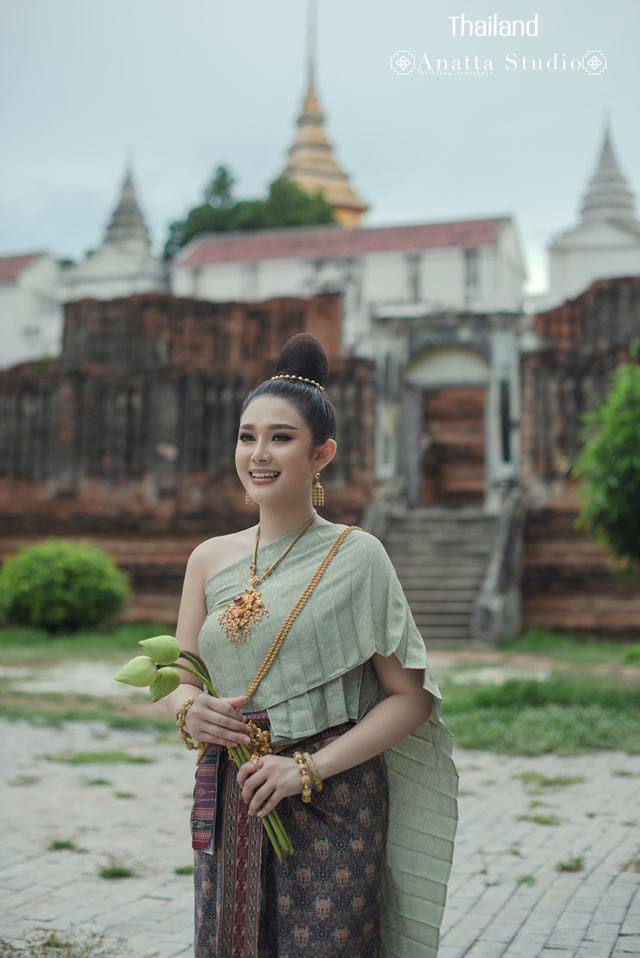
[(311, 644)]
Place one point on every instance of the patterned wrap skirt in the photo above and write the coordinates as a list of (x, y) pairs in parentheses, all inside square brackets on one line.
[(324, 898)]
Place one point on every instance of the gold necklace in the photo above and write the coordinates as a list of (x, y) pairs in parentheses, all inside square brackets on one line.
[(247, 608)]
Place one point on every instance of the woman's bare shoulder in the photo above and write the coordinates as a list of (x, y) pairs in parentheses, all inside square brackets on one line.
[(218, 551)]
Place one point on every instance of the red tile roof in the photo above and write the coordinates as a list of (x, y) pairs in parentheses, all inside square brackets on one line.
[(12, 266), (336, 241)]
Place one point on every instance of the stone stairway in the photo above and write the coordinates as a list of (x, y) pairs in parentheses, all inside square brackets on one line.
[(440, 555)]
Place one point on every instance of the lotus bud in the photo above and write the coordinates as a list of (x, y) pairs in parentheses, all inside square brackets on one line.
[(167, 680), (139, 671), (162, 649)]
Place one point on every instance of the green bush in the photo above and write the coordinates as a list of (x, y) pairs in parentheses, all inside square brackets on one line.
[(60, 585), (609, 466)]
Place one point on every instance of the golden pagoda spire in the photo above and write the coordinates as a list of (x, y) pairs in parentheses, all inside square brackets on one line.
[(311, 163)]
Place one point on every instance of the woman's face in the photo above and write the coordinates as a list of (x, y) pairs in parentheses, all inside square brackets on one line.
[(273, 437)]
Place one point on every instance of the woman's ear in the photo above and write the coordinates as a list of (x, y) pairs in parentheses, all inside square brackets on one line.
[(325, 453)]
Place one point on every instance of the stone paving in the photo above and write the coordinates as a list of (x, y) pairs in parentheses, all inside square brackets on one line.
[(506, 898)]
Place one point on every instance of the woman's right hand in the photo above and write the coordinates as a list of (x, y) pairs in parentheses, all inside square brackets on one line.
[(217, 720)]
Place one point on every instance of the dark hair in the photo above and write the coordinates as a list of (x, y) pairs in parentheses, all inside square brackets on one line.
[(302, 355)]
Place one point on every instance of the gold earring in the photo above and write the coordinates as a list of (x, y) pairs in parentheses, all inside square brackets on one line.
[(247, 497), (317, 493)]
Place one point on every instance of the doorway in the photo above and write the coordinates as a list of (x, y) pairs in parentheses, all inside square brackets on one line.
[(452, 445)]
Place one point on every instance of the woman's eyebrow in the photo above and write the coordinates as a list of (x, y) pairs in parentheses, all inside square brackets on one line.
[(274, 425)]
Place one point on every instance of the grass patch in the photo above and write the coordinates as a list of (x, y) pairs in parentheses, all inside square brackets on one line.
[(548, 781), (184, 870), (116, 871), (526, 880), (95, 758), (96, 781), (124, 794), (24, 780), (22, 645), (53, 944), (540, 819), (62, 844), (560, 715), (573, 864), (55, 708), (568, 648)]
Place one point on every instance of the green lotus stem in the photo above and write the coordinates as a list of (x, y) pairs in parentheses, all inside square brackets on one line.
[(198, 675), (195, 660), (273, 823)]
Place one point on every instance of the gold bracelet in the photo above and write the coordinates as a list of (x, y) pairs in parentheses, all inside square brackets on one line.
[(304, 772), (181, 715), (315, 774)]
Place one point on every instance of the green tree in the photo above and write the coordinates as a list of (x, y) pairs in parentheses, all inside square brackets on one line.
[(609, 465), (286, 204)]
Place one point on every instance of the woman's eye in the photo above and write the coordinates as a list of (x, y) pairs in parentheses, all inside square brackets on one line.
[(278, 435)]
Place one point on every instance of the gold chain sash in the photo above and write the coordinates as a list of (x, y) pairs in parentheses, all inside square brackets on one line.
[(260, 739)]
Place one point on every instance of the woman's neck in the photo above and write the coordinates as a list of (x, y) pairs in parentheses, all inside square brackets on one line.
[(274, 523)]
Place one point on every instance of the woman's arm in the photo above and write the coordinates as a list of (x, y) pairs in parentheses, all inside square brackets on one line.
[(408, 705), (191, 616)]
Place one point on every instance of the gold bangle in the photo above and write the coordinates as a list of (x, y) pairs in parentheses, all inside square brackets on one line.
[(181, 715), (304, 772), (315, 774)]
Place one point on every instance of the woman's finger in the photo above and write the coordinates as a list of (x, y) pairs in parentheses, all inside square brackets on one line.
[(252, 782), (244, 771), (227, 736), (261, 796), (269, 807)]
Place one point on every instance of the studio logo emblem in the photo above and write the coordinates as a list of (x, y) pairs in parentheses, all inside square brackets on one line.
[(403, 62), (594, 62)]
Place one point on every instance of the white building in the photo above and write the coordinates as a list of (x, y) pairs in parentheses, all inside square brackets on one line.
[(34, 287), (459, 264), (29, 307), (606, 240)]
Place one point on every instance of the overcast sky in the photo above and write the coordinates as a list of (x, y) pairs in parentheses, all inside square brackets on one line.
[(185, 86)]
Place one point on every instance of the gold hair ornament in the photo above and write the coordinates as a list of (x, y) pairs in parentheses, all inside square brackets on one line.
[(302, 379)]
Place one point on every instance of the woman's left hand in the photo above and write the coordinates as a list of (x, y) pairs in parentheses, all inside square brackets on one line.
[(264, 787)]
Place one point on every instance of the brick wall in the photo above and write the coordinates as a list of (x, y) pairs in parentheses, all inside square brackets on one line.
[(569, 581), (131, 433)]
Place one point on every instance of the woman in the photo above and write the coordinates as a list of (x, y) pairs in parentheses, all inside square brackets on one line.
[(350, 686)]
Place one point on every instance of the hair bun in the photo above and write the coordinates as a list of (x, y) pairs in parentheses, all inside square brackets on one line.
[(303, 355)]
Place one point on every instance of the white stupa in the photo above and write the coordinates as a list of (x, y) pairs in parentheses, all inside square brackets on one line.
[(123, 263), (606, 240)]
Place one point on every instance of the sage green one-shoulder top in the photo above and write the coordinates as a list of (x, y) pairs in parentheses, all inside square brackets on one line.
[(323, 675)]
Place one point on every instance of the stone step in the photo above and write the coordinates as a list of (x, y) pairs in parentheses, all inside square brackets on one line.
[(440, 556), (416, 596), (470, 552), (415, 540), (438, 512), (460, 590), (421, 573), (454, 633), (442, 609), (441, 617)]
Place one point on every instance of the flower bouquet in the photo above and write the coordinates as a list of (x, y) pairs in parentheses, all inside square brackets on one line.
[(158, 669)]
